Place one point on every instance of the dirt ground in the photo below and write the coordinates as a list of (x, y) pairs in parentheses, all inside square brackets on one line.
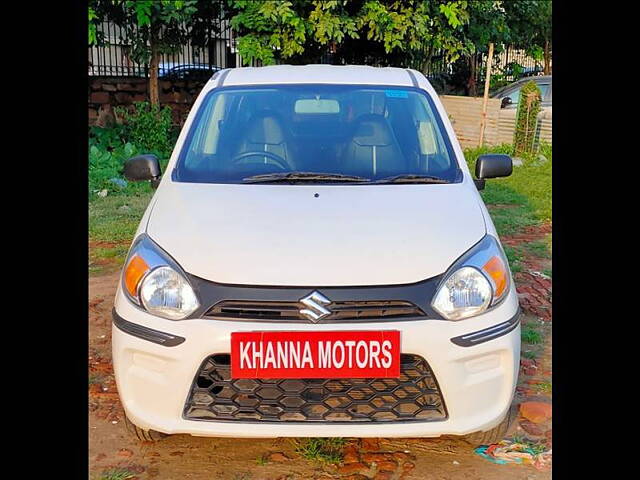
[(185, 457)]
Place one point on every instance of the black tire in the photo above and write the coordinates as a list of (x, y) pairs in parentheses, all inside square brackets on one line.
[(494, 435), (143, 435)]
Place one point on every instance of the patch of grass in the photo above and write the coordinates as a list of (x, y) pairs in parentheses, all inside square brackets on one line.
[(116, 474), (108, 222), (539, 248), (323, 450), (543, 387), (528, 188), (509, 221), (99, 256), (113, 221), (547, 272), (530, 354), (262, 460), (513, 256), (531, 335)]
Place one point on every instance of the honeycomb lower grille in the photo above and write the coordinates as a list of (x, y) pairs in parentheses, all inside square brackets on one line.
[(415, 396)]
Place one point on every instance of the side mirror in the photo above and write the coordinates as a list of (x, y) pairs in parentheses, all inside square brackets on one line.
[(143, 167), (506, 101), (493, 165)]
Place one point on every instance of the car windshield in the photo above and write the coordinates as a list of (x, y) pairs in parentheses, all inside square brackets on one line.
[(317, 134)]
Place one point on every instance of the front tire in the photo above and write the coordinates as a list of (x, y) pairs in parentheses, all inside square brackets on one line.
[(143, 435), (496, 434)]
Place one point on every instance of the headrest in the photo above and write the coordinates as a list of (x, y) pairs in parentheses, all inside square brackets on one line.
[(265, 128), (372, 130)]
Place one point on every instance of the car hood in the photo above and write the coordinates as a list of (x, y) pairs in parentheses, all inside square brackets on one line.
[(315, 235)]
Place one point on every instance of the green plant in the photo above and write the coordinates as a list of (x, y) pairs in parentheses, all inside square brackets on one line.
[(107, 138), (324, 450), (530, 354), (531, 335), (262, 460), (526, 119), (106, 164), (543, 387), (148, 127), (116, 474), (547, 272)]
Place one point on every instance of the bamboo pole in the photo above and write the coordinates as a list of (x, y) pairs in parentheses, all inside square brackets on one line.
[(487, 80)]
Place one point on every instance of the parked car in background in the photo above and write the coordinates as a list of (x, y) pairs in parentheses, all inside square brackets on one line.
[(510, 95), (532, 71), (186, 71)]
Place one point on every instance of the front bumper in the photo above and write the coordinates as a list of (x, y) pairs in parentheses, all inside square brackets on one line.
[(477, 381)]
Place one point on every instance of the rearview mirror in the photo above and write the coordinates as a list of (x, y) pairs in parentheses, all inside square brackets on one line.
[(143, 167), (493, 165), (506, 101)]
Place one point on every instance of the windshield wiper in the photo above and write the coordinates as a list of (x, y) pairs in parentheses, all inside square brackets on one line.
[(304, 177), (412, 178)]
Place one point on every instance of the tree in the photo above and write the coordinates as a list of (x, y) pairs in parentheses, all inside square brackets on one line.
[(355, 30), (152, 27), (487, 24), (531, 27)]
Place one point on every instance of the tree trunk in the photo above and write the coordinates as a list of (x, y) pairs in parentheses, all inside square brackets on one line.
[(471, 83), (154, 97), (547, 58), (485, 97)]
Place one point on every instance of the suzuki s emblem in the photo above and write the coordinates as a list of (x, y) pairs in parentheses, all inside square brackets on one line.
[(315, 309)]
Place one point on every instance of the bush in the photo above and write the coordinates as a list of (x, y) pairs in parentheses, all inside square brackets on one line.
[(146, 129), (527, 119), (149, 128), (107, 154)]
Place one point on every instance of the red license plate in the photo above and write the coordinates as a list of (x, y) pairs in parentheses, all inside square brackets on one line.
[(361, 354)]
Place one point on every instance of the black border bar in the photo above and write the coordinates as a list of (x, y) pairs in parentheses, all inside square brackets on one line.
[(146, 333), (486, 334)]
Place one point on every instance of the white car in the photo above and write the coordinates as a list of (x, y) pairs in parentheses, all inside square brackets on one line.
[(317, 261)]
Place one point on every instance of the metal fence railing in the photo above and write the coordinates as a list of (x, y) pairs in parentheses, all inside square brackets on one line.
[(113, 56), (216, 48)]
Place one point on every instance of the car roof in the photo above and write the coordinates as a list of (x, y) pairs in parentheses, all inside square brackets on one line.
[(330, 74), (539, 78), (536, 79)]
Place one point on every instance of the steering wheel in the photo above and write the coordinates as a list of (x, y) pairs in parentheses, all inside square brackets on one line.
[(277, 159)]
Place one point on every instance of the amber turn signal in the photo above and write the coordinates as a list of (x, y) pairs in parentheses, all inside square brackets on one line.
[(136, 268), (497, 272)]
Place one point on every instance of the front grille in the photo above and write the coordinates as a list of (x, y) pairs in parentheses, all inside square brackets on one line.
[(290, 311), (415, 396)]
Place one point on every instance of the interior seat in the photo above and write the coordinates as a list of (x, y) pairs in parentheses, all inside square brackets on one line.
[(264, 132), (373, 149)]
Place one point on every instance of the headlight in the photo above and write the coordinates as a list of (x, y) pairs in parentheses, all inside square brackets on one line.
[(164, 292), (153, 281), (479, 280)]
